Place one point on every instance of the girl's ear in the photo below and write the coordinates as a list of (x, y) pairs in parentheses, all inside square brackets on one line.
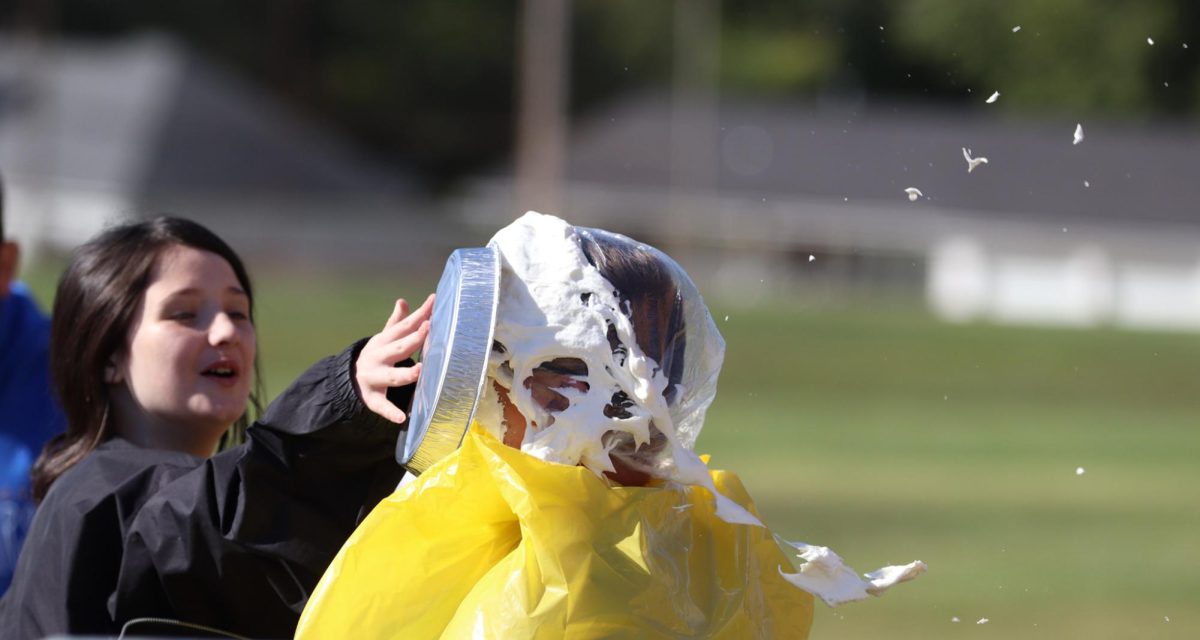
[(111, 374)]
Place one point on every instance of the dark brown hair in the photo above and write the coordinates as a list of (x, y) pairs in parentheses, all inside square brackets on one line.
[(97, 297), (652, 301), (648, 295)]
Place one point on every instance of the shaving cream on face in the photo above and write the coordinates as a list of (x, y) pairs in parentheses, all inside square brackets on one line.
[(555, 305)]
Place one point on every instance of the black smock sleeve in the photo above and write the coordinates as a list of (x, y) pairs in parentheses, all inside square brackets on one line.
[(240, 543)]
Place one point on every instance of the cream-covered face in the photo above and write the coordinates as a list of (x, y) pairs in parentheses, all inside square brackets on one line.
[(555, 374), (551, 386), (546, 386), (186, 374)]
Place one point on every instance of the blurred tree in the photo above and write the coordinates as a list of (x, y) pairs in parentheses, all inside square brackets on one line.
[(1069, 55), (428, 84), (620, 46), (423, 84)]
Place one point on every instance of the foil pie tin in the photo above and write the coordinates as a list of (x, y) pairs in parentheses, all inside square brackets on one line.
[(454, 358)]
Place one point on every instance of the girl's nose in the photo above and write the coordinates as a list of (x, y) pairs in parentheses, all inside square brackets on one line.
[(222, 330)]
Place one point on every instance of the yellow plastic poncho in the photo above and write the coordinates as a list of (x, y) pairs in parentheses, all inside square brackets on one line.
[(493, 543)]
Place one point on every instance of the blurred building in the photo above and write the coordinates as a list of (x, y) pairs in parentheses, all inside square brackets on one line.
[(806, 199), (91, 132)]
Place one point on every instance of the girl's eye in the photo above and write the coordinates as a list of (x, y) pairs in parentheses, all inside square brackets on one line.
[(181, 316), (239, 315)]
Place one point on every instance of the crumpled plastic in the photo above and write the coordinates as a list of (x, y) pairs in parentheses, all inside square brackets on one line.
[(493, 543)]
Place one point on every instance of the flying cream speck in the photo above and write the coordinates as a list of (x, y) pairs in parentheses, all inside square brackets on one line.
[(1078, 134), (972, 162), (1080, 471), (992, 98), (1150, 41), (1016, 28), (913, 194)]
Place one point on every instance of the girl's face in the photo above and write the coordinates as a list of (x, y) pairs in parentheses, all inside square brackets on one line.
[(189, 362), (544, 385)]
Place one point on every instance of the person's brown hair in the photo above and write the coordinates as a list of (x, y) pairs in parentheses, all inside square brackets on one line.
[(649, 298), (652, 301), (97, 297)]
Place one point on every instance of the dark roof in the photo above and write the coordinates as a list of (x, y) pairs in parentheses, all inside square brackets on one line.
[(1137, 174), (146, 116), (222, 134)]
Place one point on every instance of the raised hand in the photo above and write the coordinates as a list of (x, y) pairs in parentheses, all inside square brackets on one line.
[(375, 370)]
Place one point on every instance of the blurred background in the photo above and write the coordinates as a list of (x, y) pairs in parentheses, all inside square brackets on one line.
[(997, 373)]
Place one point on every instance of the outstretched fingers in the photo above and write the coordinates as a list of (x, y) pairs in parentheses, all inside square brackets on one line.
[(375, 372), (404, 347), (398, 312), (385, 408), (402, 323)]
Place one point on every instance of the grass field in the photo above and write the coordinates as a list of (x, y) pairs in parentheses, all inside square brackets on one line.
[(891, 437)]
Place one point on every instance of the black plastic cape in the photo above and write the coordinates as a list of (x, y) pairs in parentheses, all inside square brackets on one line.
[(236, 542)]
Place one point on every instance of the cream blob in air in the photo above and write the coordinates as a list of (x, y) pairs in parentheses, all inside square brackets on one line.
[(972, 162)]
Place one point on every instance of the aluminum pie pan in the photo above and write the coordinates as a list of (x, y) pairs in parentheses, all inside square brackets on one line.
[(454, 359)]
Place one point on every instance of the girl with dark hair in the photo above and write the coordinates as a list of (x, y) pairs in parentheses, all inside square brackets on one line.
[(154, 358)]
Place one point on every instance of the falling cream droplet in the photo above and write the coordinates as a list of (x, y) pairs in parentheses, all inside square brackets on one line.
[(1150, 41), (1080, 471), (992, 98), (1016, 28)]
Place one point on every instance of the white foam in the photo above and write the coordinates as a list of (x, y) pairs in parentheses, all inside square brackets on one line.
[(825, 575)]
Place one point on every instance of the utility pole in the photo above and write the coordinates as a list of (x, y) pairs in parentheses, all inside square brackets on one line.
[(542, 71), (694, 128)]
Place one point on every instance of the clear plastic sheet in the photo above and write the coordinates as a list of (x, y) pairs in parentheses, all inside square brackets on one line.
[(692, 350), (605, 347)]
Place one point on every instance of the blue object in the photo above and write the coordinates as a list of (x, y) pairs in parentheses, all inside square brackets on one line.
[(29, 415)]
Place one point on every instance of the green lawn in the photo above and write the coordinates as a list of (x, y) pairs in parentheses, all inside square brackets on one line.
[(891, 437)]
